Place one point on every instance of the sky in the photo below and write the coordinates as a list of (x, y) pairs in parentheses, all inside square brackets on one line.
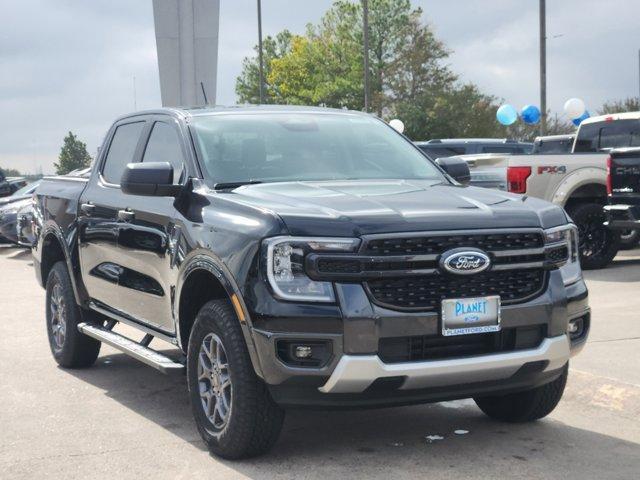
[(75, 64)]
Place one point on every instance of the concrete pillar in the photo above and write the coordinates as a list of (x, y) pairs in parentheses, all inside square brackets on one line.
[(187, 43)]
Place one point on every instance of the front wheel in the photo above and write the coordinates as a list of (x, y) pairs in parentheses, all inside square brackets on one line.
[(598, 245), (525, 406), (234, 412)]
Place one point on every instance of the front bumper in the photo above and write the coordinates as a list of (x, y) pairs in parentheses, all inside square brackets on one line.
[(355, 375), (622, 217)]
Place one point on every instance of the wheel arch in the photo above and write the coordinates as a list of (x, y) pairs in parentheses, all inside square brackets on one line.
[(204, 278), (583, 185), (52, 250)]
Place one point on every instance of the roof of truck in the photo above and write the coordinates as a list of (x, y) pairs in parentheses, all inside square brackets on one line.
[(611, 117), (186, 112)]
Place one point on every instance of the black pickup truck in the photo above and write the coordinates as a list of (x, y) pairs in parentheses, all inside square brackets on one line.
[(306, 257), (623, 188)]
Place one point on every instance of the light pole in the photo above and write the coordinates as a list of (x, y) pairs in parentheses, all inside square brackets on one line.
[(543, 67), (261, 68), (365, 30)]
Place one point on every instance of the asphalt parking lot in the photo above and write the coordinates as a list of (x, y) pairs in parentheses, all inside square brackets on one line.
[(121, 419)]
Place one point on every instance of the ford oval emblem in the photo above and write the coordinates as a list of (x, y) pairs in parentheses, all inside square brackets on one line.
[(465, 261)]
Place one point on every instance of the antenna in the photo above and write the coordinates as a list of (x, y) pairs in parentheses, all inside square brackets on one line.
[(204, 94)]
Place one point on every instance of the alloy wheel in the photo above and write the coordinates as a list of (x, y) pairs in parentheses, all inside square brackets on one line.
[(58, 317), (214, 381)]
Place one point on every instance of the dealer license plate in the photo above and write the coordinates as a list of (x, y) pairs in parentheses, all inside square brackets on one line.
[(463, 316)]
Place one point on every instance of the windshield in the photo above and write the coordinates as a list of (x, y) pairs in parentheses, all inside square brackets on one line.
[(275, 147)]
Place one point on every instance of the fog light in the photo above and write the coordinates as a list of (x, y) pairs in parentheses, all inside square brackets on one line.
[(576, 328), (303, 351)]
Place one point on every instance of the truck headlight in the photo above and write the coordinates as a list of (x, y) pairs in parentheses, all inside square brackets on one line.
[(285, 266), (561, 245)]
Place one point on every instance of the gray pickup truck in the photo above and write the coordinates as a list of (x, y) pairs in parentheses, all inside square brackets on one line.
[(576, 181), (286, 257)]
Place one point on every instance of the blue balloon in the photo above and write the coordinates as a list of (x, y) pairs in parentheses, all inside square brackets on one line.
[(507, 114), (578, 121), (530, 114)]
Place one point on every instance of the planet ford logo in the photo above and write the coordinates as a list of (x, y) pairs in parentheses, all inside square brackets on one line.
[(465, 261)]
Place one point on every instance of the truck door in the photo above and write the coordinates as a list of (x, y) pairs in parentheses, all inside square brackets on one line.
[(147, 232)]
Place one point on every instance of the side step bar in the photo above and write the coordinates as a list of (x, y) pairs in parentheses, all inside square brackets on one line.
[(133, 349)]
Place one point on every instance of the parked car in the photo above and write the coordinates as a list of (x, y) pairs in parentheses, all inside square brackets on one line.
[(623, 185), (439, 148), (576, 181), (9, 207), (307, 257), (553, 144)]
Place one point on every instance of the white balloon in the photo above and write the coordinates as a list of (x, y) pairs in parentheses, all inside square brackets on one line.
[(574, 108), (398, 125)]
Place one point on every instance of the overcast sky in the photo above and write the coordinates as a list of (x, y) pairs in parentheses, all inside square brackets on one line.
[(70, 64)]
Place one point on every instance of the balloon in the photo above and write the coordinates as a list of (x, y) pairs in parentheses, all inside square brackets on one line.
[(574, 108), (507, 114), (397, 125), (584, 116), (530, 114)]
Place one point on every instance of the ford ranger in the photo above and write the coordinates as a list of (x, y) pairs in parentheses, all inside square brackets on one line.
[(306, 257)]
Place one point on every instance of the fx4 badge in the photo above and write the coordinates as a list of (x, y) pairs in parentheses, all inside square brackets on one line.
[(552, 169)]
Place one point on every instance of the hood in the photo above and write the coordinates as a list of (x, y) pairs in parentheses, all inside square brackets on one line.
[(12, 199), (354, 208), (16, 203)]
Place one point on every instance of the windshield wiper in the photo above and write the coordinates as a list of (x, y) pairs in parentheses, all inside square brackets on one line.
[(231, 185)]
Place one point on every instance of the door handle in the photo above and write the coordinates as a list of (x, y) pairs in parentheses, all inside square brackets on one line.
[(126, 215), (88, 208)]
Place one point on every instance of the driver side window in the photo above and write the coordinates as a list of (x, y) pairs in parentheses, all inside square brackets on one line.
[(164, 146)]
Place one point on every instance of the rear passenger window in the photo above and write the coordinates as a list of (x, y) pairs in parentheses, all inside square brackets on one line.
[(121, 151), (164, 146)]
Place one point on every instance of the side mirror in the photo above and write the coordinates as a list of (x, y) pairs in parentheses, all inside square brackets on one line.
[(456, 168), (153, 179)]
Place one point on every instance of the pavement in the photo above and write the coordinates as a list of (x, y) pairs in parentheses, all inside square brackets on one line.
[(121, 419)]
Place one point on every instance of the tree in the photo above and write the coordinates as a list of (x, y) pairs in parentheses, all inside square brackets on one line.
[(248, 83), (409, 75), (629, 104), (73, 155)]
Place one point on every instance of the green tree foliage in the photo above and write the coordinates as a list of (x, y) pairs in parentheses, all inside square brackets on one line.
[(409, 77), (524, 132), (73, 155), (630, 104), (10, 172), (248, 83)]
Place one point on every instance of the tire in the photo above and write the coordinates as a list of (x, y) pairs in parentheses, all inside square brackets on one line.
[(253, 420), (70, 348), (525, 406), (598, 245), (629, 239)]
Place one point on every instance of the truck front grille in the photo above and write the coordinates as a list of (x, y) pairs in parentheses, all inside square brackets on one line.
[(426, 292), (435, 244)]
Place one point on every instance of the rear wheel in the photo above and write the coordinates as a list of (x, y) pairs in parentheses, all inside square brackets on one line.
[(629, 239), (598, 245), (70, 348), (234, 412), (525, 406)]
